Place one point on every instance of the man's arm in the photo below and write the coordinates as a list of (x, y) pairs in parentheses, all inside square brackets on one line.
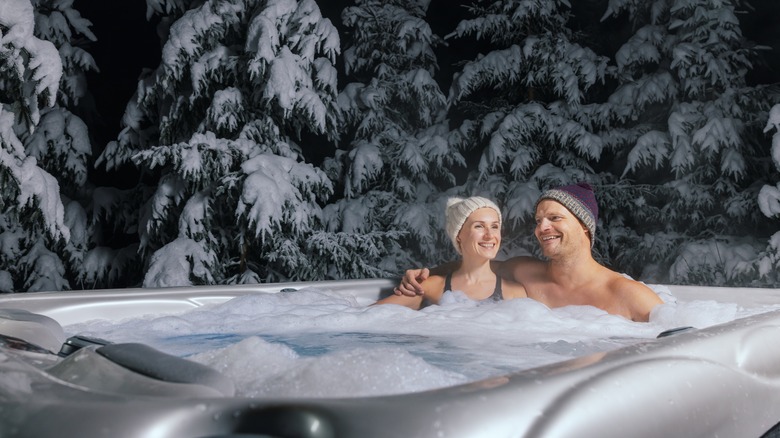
[(411, 283), (518, 269)]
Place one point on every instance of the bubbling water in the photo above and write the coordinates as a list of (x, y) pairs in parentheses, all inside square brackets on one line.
[(321, 343)]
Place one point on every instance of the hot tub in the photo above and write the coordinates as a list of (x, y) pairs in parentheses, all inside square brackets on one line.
[(722, 380)]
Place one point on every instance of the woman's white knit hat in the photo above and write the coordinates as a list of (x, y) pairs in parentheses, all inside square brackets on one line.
[(459, 209)]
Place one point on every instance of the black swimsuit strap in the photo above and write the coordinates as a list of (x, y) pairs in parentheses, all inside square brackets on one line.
[(448, 282), (497, 294)]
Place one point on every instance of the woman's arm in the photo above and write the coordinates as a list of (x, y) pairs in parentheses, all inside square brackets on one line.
[(411, 283), (432, 290)]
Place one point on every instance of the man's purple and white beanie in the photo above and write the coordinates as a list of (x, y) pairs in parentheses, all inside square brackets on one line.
[(580, 200)]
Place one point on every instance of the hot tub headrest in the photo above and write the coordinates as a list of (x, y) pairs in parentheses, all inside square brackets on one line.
[(145, 360), (36, 329)]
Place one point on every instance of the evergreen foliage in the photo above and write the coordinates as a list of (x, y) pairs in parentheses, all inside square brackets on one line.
[(228, 196), (648, 101), (769, 203), (44, 227), (397, 160), (524, 107), (690, 135)]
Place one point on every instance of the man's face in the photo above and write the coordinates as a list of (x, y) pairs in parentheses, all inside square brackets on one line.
[(558, 231)]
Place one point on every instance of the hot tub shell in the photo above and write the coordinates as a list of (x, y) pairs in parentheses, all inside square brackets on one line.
[(720, 381)]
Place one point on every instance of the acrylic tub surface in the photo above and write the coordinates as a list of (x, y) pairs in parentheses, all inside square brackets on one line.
[(722, 381)]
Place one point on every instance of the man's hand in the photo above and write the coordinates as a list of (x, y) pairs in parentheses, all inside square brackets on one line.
[(410, 284)]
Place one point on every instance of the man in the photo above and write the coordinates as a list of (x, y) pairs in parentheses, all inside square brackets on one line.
[(566, 220)]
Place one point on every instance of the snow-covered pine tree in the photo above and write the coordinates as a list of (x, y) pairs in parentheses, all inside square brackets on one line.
[(214, 130), (43, 224), (396, 161), (521, 107), (691, 127), (768, 264)]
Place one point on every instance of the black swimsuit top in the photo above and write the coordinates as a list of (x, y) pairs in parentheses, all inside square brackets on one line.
[(497, 295)]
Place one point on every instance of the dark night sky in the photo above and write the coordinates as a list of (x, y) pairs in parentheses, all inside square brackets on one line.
[(127, 44)]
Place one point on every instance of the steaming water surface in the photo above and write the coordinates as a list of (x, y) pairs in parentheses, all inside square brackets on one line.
[(322, 343)]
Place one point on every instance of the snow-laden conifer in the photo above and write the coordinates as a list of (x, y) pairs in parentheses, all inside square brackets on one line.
[(689, 131), (216, 129), (396, 158), (45, 147), (521, 107), (769, 203)]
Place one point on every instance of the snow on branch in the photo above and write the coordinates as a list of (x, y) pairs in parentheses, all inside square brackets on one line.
[(652, 148), (769, 196), (26, 59), (281, 190), (179, 263)]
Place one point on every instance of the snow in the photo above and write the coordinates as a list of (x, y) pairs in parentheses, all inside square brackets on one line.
[(286, 79), (651, 149), (61, 134), (17, 17), (274, 185), (366, 164), (12, 149), (192, 221), (43, 60), (174, 263), (773, 122), (769, 200), (724, 259), (47, 272), (207, 64), (184, 41), (37, 187)]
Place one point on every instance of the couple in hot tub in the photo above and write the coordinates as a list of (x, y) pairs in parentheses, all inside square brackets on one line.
[(565, 228)]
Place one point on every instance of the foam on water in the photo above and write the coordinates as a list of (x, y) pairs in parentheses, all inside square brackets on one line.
[(321, 343)]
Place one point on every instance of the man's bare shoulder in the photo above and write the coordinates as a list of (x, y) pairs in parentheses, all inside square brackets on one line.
[(638, 298), (621, 284)]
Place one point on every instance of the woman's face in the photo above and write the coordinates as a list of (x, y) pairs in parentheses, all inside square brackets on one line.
[(481, 234)]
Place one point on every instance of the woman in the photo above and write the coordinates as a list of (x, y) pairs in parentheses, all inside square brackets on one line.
[(474, 226)]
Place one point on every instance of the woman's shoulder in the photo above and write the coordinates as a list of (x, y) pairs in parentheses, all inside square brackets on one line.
[(433, 287)]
